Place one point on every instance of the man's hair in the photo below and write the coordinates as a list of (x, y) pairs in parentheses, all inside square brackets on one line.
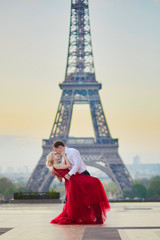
[(56, 144)]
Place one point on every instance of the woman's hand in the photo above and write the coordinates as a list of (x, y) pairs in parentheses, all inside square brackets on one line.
[(62, 153)]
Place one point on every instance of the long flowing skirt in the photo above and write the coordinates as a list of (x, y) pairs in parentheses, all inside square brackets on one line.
[(86, 203)]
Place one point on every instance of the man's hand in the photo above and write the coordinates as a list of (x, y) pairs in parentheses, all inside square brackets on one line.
[(67, 177), (62, 153)]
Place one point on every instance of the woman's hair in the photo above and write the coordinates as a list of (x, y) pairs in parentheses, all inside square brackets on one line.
[(50, 159), (58, 143)]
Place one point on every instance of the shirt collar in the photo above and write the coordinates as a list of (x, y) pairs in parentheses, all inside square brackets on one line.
[(66, 149)]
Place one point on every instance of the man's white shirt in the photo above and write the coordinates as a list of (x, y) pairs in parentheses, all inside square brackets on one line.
[(75, 159)]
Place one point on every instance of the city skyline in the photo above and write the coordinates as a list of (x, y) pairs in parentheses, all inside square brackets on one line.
[(126, 49)]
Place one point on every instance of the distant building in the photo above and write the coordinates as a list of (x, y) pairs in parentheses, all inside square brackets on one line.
[(10, 170), (136, 160), (138, 170)]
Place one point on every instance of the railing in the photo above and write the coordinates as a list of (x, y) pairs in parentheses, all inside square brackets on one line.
[(89, 141), (80, 141)]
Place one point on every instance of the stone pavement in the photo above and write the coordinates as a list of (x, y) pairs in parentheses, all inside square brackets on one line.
[(126, 221)]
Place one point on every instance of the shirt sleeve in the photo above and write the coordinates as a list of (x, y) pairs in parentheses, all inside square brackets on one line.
[(76, 157)]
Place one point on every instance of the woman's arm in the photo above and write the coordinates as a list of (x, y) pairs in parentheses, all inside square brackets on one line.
[(57, 176), (62, 166)]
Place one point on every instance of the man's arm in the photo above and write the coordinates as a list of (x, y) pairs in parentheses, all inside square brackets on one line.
[(76, 160)]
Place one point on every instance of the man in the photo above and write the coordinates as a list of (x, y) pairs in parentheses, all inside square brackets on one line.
[(77, 166), (74, 157)]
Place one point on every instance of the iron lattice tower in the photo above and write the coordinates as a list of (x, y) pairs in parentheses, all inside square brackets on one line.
[(80, 86)]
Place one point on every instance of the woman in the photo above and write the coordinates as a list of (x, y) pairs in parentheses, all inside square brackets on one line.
[(86, 202)]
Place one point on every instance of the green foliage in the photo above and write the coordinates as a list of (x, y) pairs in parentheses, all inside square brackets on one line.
[(18, 195), (142, 189), (154, 187), (139, 190), (150, 189), (112, 190), (36, 195), (53, 194), (143, 181), (61, 190), (7, 188), (127, 194)]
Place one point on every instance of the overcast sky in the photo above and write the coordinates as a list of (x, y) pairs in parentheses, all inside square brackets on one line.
[(33, 52)]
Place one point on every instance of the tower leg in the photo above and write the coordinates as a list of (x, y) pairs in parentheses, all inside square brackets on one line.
[(99, 122), (41, 177), (61, 124)]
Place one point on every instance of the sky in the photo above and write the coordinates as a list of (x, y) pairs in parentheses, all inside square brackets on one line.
[(33, 52)]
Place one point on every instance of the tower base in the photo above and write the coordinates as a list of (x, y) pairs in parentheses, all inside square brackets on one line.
[(103, 156)]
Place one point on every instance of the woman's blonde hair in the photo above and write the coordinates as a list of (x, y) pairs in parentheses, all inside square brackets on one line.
[(50, 159)]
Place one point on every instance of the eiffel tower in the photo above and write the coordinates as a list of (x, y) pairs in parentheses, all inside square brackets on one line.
[(80, 86)]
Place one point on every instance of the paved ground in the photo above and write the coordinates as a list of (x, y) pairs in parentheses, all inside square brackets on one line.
[(126, 221)]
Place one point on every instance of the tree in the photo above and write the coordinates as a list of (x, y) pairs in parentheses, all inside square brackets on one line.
[(143, 181), (154, 187), (139, 190), (7, 188), (112, 190)]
